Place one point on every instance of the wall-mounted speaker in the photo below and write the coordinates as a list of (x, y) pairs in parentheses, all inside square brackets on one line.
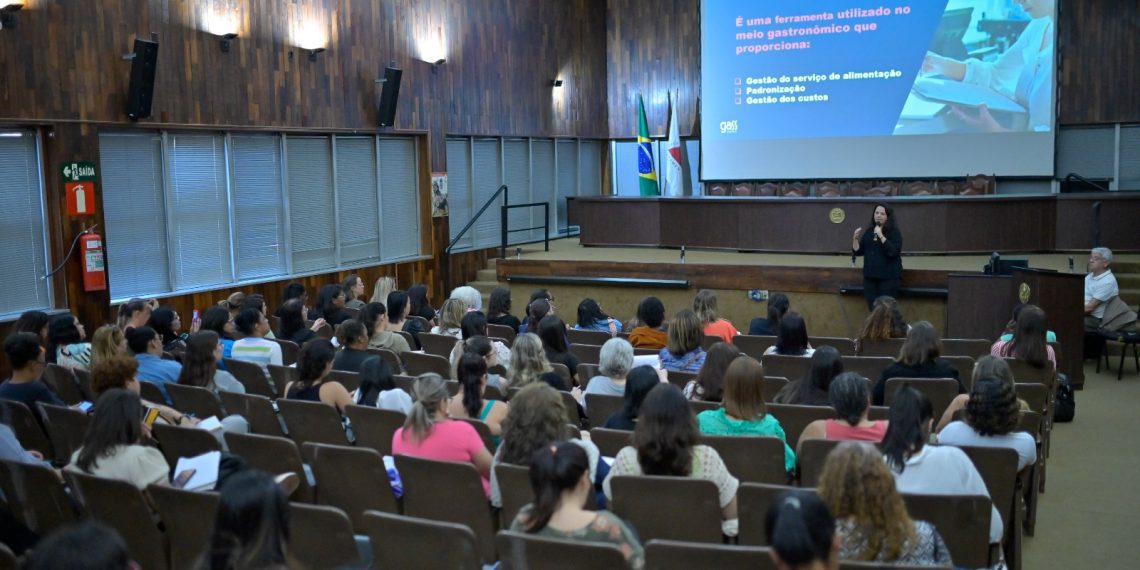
[(388, 95), (141, 90)]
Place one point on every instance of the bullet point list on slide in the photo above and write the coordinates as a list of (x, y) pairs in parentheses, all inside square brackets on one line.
[(737, 81)]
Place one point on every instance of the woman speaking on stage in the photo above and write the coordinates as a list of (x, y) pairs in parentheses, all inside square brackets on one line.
[(880, 244)]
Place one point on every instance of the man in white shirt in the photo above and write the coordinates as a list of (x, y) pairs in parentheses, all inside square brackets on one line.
[(1100, 287), (254, 348)]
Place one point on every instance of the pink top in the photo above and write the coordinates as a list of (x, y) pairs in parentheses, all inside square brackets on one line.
[(836, 429), (1000, 345), (721, 328), (448, 441)]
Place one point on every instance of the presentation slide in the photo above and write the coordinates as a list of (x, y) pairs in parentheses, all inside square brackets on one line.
[(827, 89)]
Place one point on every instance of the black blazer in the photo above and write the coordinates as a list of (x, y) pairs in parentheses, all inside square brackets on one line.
[(881, 260)]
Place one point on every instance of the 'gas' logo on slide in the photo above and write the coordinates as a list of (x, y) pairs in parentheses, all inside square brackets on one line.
[(729, 126)]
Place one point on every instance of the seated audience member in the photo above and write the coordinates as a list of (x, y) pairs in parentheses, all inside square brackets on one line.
[(791, 337), (65, 345), (592, 318), (375, 314), (469, 401), (219, 320), (112, 447), (649, 332), (560, 478), (147, 348), (295, 325), (26, 357), (683, 350), (379, 389), (108, 341), (990, 420), (417, 298), (292, 291), (330, 305), (1100, 287), (778, 306), (614, 363), (1029, 340), (233, 303), (1011, 326), (428, 432), (536, 419), (451, 318), (552, 331), (251, 525), (471, 297), (168, 324), (200, 365), (499, 309), (35, 322), (874, 526), (474, 324), (484, 347), (536, 310), (529, 364), (135, 313), (744, 412), (812, 388), (705, 306), (83, 545), (638, 383), (665, 442), (801, 533), (929, 469), (353, 340), (988, 366), (256, 301), (11, 449), (885, 322), (849, 396), (398, 310), (254, 347), (919, 358), (353, 288), (383, 287), (313, 367), (709, 383)]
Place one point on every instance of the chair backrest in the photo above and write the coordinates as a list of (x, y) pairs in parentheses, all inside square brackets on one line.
[(515, 489), (1025, 372), (273, 455), (201, 402), (374, 427), (410, 339), (62, 381), (28, 429), (845, 346), (795, 418), (258, 410), (785, 366), (326, 331), (350, 380), (282, 377), (321, 537), (699, 406), (562, 371), (596, 338), (448, 491), (1030, 423), (352, 479), (587, 353), (83, 377), (940, 391), (965, 367), (573, 415), (66, 427), (962, 520), (1034, 394), (998, 468), (412, 542), (811, 456), (869, 367), (610, 441), (504, 332), (751, 459), (752, 502), (676, 555), (879, 413), (521, 551), (419, 363), (494, 393), (708, 340), (850, 565), (36, 496), (289, 351), (251, 376), (176, 442), (390, 357), (189, 518), (312, 421), (150, 392), (483, 430), (438, 344), (753, 345), (651, 505), (885, 347), (679, 378), (585, 372), (121, 506), (972, 347), (639, 351)]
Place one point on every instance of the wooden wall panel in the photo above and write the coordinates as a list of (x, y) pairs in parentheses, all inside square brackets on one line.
[(1099, 78)]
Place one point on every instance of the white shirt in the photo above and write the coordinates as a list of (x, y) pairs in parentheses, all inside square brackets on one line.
[(960, 433), (1024, 73), (946, 470), (1102, 288), (257, 350)]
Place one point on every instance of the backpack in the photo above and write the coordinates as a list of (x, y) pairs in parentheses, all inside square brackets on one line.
[(1065, 406)]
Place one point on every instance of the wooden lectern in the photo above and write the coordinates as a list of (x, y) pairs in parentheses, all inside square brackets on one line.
[(979, 306)]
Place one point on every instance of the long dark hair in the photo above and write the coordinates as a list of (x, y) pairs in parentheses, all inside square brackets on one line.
[(666, 433), (470, 372), (850, 397), (370, 315), (162, 321), (216, 318), (589, 313), (326, 298), (198, 364), (417, 296), (33, 322), (1028, 342), (638, 383), (791, 335), (887, 227), (552, 331), (778, 305), (114, 422), (906, 433), (922, 345), (711, 375), (800, 528), (292, 318), (375, 377), (294, 290), (826, 364), (535, 312), (349, 332), (473, 324), (315, 356), (553, 470), (500, 304), (397, 304), (251, 525), (61, 331)]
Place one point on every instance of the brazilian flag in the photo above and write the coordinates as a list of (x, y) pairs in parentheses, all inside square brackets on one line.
[(645, 170)]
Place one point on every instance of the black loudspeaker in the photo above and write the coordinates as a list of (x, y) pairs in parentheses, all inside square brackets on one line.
[(142, 79), (388, 95)]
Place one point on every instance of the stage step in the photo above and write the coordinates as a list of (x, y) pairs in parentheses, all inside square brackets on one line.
[(1119, 267), (492, 275)]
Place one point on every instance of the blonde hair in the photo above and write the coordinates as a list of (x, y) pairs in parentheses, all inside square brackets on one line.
[(528, 361), (384, 285), (704, 305), (857, 484), (452, 313), (685, 333), (106, 343), (428, 391)]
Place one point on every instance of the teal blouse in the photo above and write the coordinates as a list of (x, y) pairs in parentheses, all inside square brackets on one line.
[(717, 422)]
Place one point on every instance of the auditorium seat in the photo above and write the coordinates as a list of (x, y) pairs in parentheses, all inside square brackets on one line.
[(321, 537), (972, 347), (699, 406), (451, 492), (651, 503), (62, 381), (742, 189), (869, 367), (339, 471), (350, 380), (752, 503), (312, 421), (257, 410), (390, 357), (795, 418), (523, 551), (585, 372), (150, 392), (811, 456), (885, 347), (998, 468), (504, 332), (272, 455), (421, 363), (679, 378), (772, 386), (845, 346), (965, 367), (610, 441), (599, 407), (677, 555), (940, 391), (251, 376), (178, 442), (282, 377), (596, 338), (374, 427), (121, 506), (412, 542), (66, 427), (586, 353), (202, 402), (962, 520), (289, 351), (36, 496), (27, 428), (438, 344), (766, 189), (785, 366), (483, 430), (188, 519), (753, 346), (751, 459)]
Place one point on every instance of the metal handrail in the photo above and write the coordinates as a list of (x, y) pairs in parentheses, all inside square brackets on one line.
[(447, 250)]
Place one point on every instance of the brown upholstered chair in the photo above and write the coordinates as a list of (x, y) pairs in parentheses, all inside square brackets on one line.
[(258, 410), (438, 344), (36, 496), (321, 537), (979, 184), (651, 504), (289, 351), (752, 503), (751, 459), (150, 392), (828, 190), (785, 366), (858, 187), (251, 376), (962, 520), (795, 418), (716, 189), (61, 381), (596, 338), (272, 455), (742, 189), (610, 441), (972, 347), (121, 506), (202, 402), (402, 541), (869, 367), (374, 427), (753, 346), (677, 555), (919, 188), (463, 502), (845, 346), (940, 391), (350, 380), (811, 456), (27, 428), (767, 189), (504, 332), (679, 378), (587, 353), (885, 347), (420, 363), (341, 470), (312, 421), (66, 427), (188, 518), (523, 551), (773, 385), (585, 372), (599, 407), (178, 442), (796, 190), (390, 357)]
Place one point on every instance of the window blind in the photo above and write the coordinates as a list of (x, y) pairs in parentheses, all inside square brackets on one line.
[(399, 198), (22, 263), (590, 168), (135, 213), (197, 209), (459, 191), (566, 157), (311, 205), (258, 206), (516, 175), (357, 197), (542, 184), (487, 173)]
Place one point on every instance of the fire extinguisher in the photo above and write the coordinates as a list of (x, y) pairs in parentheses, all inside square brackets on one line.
[(94, 271)]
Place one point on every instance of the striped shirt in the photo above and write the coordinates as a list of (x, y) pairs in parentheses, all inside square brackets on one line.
[(257, 350)]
